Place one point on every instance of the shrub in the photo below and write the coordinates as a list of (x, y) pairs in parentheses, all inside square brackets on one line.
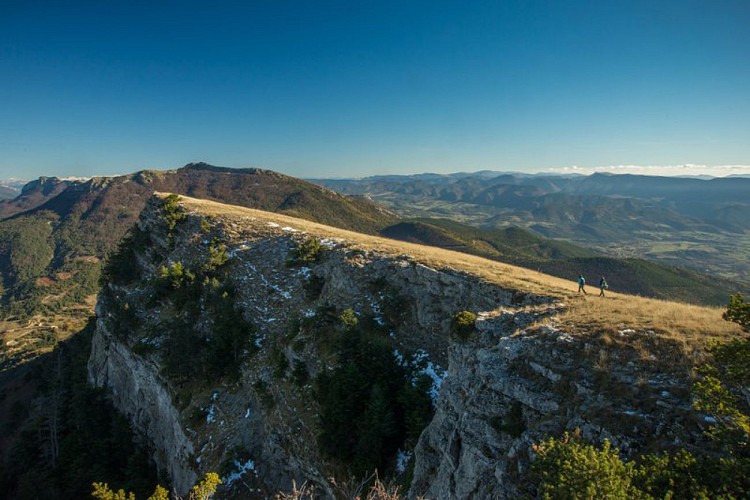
[(217, 257), (463, 324), (569, 468), (348, 319), (172, 214), (305, 252), (738, 311)]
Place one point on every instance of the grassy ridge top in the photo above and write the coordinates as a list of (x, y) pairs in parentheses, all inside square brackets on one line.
[(614, 312)]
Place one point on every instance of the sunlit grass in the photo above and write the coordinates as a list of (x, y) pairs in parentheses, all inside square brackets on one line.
[(685, 323)]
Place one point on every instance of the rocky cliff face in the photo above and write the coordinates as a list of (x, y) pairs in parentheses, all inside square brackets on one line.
[(521, 377)]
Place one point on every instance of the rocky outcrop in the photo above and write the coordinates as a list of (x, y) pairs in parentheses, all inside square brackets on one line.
[(519, 379), (520, 383)]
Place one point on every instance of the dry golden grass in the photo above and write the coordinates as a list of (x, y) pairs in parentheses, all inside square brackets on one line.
[(688, 323), (616, 312)]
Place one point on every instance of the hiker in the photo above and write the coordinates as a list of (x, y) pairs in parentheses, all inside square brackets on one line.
[(582, 284), (602, 286)]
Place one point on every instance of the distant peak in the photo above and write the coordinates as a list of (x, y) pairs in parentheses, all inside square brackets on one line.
[(202, 166), (42, 182)]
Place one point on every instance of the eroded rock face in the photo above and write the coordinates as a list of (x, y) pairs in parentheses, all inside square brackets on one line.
[(520, 383), (139, 393), (520, 379)]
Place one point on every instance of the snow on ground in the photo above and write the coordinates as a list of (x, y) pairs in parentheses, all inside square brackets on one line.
[(267, 283), (331, 243), (399, 357), (240, 470), (377, 314), (402, 460), (421, 362), (211, 416)]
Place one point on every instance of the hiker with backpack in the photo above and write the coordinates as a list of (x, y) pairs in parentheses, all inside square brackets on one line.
[(602, 286), (582, 284)]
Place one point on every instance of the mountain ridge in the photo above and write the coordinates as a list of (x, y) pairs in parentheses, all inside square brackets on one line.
[(527, 356)]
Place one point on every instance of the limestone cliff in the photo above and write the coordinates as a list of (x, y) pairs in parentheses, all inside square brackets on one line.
[(521, 377)]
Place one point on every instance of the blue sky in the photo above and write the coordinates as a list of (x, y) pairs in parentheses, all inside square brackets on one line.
[(354, 88)]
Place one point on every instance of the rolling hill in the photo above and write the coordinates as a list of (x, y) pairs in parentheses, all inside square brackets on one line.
[(701, 224)]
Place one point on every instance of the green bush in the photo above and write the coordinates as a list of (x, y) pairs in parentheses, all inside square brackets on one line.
[(306, 252), (738, 311), (348, 319), (172, 214), (217, 257), (463, 324), (569, 468)]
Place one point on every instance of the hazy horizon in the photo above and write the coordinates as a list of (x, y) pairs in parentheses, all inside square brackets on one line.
[(651, 170)]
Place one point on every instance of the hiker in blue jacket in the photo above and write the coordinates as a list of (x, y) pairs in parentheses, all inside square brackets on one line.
[(582, 284)]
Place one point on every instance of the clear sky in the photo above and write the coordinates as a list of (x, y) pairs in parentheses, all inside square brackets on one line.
[(353, 88)]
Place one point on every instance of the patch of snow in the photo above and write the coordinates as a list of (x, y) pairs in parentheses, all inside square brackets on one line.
[(399, 357), (548, 329), (304, 272), (267, 283), (247, 413), (240, 470), (330, 243), (709, 419), (633, 413), (626, 331), (402, 460), (152, 341), (272, 224), (259, 341), (565, 337), (289, 229), (420, 361), (210, 416), (309, 313), (377, 314)]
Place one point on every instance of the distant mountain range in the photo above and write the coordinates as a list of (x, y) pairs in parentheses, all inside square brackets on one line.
[(701, 224)]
